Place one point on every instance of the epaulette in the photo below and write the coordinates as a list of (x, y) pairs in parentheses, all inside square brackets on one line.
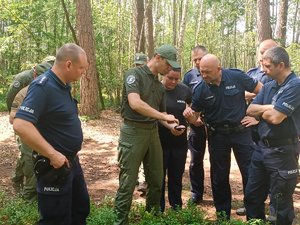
[(252, 69), (42, 80), (192, 71)]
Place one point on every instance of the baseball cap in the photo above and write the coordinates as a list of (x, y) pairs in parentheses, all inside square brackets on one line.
[(140, 58), (170, 54)]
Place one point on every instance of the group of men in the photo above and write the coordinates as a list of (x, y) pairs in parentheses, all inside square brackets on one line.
[(222, 105), (255, 114)]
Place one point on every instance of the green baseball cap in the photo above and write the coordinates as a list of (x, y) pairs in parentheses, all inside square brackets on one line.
[(170, 54), (140, 58)]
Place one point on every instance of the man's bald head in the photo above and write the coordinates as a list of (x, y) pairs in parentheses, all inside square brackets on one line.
[(210, 68), (264, 46), (211, 60), (69, 51)]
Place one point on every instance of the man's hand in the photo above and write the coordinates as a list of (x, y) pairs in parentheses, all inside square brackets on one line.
[(57, 160), (198, 122), (191, 115), (248, 121), (170, 118)]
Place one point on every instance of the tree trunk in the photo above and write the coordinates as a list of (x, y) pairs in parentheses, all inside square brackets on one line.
[(89, 88), (282, 22), (295, 21), (199, 21), (139, 21), (149, 28), (182, 31), (264, 30), (174, 22)]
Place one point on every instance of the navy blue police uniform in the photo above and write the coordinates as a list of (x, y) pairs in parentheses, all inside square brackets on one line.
[(259, 75), (196, 144), (174, 147), (275, 160), (223, 108), (51, 108)]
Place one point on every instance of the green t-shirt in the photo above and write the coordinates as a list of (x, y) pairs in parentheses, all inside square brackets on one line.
[(140, 80)]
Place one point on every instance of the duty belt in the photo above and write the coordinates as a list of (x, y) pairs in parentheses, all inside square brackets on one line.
[(143, 125), (268, 142), (225, 128)]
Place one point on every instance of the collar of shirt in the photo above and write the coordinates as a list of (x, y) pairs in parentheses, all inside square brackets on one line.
[(58, 81), (289, 77)]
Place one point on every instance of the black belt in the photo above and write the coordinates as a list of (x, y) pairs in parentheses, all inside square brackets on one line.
[(143, 125), (268, 142), (226, 128)]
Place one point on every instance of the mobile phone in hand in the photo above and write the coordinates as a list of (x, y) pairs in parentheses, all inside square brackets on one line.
[(180, 127)]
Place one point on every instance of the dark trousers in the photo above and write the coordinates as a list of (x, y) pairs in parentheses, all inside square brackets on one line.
[(64, 205), (220, 146), (275, 170), (174, 157), (196, 145)]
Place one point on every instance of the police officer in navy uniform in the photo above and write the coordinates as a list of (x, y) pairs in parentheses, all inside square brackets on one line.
[(197, 134), (258, 74), (48, 122), (174, 140), (221, 99), (274, 162)]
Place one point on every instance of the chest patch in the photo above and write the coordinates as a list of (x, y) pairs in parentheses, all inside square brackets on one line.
[(230, 87), (130, 79)]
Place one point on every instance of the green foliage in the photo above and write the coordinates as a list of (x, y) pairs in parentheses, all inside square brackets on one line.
[(102, 214), (14, 210), (17, 211), (294, 53)]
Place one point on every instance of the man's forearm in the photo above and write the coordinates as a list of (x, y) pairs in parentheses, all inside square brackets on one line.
[(256, 110), (146, 110)]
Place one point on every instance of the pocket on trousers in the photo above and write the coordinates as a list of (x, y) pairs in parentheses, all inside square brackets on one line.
[(55, 181), (288, 174), (124, 154)]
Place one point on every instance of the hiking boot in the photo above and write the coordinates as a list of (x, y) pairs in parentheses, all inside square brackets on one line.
[(241, 211), (195, 200)]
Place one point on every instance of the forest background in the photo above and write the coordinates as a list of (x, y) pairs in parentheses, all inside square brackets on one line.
[(112, 31)]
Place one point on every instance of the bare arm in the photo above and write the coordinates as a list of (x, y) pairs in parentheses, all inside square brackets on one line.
[(256, 110), (138, 105), (32, 137), (273, 116), (257, 88)]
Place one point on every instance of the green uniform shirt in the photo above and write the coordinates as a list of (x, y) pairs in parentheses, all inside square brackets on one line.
[(140, 80)]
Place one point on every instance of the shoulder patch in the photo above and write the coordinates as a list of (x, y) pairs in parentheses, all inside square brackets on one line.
[(16, 84), (43, 80), (130, 79)]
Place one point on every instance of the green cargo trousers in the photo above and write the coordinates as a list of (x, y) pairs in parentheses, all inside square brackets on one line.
[(138, 143), (25, 168)]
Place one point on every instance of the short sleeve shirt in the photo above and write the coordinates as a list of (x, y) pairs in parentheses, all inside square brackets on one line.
[(192, 78), (176, 101), (286, 99), (51, 108), (140, 80), (224, 103)]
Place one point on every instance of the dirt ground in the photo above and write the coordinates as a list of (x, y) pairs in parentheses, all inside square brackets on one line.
[(99, 161)]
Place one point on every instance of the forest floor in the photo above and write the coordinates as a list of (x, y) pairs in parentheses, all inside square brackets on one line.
[(99, 161)]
